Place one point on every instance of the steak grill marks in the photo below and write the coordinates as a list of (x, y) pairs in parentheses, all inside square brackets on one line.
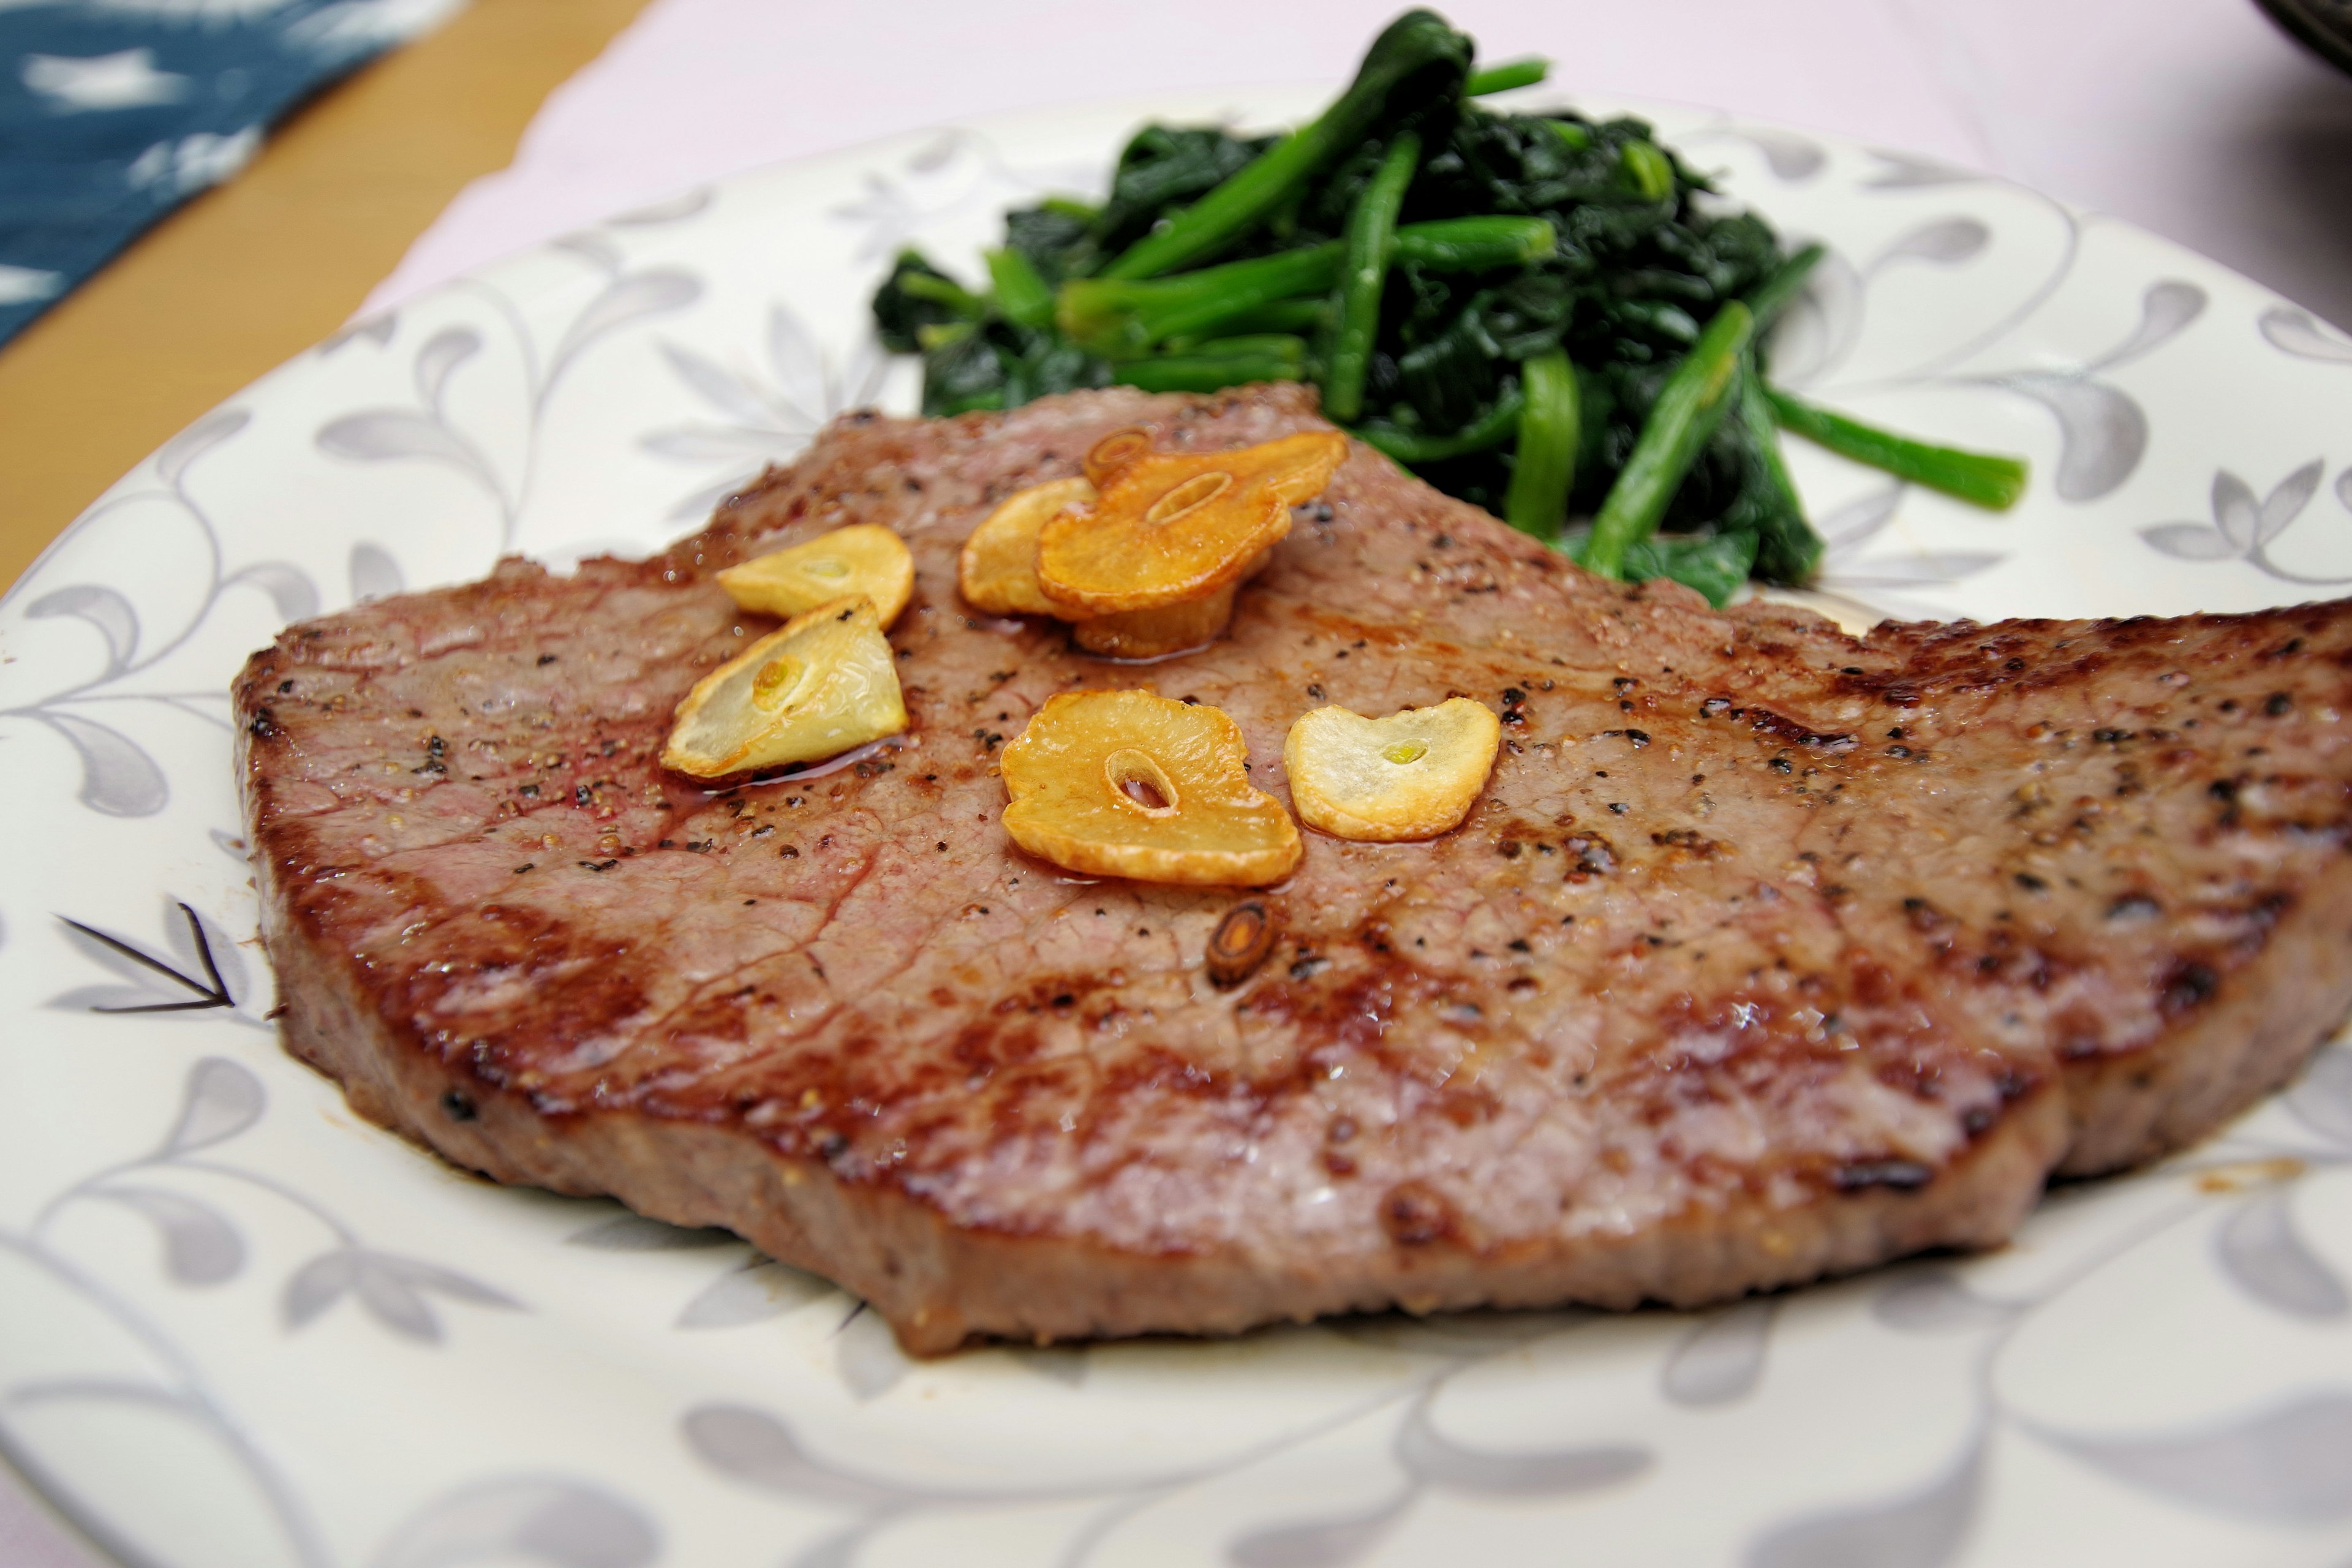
[(1768, 950)]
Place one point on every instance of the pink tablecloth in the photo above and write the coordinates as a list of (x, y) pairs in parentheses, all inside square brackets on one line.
[(2193, 117)]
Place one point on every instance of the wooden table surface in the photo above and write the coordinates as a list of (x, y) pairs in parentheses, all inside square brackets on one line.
[(250, 274)]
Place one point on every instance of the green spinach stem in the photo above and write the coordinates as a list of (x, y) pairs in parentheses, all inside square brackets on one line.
[(1982, 478), (1411, 447), (1543, 465), (1688, 408), (1787, 547), (1506, 76), (1418, 55), (1370, 242)]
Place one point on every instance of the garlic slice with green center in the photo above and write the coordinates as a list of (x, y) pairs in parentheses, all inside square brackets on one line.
[(863, 558), (822, 683), (1413, 774)]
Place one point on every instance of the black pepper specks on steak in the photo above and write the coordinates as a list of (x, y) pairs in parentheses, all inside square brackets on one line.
[(1769, 952)]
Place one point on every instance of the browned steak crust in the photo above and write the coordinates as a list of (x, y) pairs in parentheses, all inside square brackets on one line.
[(1770, 952)]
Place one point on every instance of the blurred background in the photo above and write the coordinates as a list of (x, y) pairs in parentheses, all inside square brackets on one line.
[(192, 191)]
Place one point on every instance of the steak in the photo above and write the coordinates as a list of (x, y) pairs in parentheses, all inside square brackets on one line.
[(1770, 952)]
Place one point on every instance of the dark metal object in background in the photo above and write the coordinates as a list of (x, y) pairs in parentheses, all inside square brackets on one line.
[(2324, 27)]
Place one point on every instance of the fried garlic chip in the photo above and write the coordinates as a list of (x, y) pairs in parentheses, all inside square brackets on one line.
[(1168, 527), (997, 571), (1155, 634), (1125, 784), (1115, 451), (863, 558), (817, 685), (1413, 774)]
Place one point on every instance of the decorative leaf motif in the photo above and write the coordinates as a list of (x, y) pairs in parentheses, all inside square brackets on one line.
[(860, 382), (316, 1286), (392, 1289), (200, 1248), (2281, 1466), (2261, 1250), (389, 434), (759, 1289), (933, 155), (2103, 433), (446, 1281), (676, 208), (172, 458), (2165, 311), (377, 329), (560, 1524), (375, 574), (193, 939), (867, 1357), (753, 1446), (1937, 1303), (396, 1303), (2243, 526), (717, 386), (220, 1099), (1790, 156), (1822, 325), (631, 297), (2285, 503), (2235, 511), (1858, 520), (118, 779), (2189, 541), (593, 248), (442, 353), (1906, 171), (2297, 333), (1945, 242), (1722, 1359), (103, 608), (1434, 1460), (203, 951), (799, 365), (288, 586), (102, 999), (2322, 1101), (1320, 1543), (635, 1233), (1924, 1530)]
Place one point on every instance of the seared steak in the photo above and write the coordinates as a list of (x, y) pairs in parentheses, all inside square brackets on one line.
[(1770, 952)]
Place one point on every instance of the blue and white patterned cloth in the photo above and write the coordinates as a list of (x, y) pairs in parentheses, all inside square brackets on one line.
[(112, 112)]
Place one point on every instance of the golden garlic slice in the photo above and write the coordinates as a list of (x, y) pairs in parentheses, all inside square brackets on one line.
[(1155, 634), (1126, 784), (1167, 527), (1413, 774), (863, 558), (997, 571), (1115, 451), (817, 685)]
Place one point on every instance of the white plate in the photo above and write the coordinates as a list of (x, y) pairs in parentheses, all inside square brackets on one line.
[(238, 1326)]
